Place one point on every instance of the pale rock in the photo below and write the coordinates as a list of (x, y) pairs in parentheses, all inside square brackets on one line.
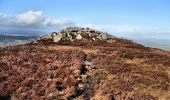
[(93, 39), (79, 37), (103, 36), (58, 37), (81, 86)]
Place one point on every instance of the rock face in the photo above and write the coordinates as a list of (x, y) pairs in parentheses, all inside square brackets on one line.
[(76, 33)]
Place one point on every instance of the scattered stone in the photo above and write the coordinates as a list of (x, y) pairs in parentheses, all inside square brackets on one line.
[(89, 65), (87, 79), (81, 86)]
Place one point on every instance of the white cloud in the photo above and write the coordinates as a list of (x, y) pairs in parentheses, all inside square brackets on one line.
[(127, 29), (33, 19), (131, 31)]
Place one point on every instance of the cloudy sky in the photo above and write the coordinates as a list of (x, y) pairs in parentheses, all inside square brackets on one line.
[(149, 18)]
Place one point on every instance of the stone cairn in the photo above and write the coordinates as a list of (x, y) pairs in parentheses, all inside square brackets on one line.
[(76, 33)]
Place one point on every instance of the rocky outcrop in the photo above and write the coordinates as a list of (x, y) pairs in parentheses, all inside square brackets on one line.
[(76, 33)]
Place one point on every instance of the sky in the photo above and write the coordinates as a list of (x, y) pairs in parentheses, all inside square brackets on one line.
[(128, 18)]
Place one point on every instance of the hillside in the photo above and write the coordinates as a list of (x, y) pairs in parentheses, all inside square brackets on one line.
[(84, 64), (7, 40)]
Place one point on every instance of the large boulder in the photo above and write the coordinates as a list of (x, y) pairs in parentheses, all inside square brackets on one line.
[(57, 37)]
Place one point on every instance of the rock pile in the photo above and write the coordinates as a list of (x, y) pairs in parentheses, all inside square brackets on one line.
[(75, 33)]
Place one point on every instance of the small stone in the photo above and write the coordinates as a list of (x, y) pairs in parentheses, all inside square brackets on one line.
[(79, 37), (88, 79), (93, 39), (87, 63), (81, 86)]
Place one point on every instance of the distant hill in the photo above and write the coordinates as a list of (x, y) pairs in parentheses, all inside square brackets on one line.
[(155, 43), (11, 37), (6, 40), (19, 32)]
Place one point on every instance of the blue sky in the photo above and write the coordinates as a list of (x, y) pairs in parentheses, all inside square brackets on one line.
[(121, 17)]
